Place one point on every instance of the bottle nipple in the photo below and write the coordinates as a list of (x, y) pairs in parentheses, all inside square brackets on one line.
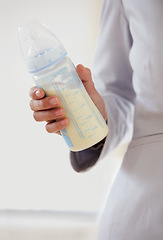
[(40, 47)]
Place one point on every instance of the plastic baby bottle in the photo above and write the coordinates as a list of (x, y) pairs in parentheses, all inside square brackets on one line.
[(53, 71)]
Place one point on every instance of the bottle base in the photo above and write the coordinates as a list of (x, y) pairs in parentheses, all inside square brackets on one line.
[(86, 146)]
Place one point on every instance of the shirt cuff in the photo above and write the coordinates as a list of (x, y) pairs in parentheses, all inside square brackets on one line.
[(85, 159)]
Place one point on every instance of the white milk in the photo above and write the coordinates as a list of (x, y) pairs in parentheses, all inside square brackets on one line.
[(86, 125)]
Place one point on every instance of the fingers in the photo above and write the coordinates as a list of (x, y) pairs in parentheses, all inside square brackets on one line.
[(36, 93), (48, 109), (49, 115), (44, 104), (55, 127)]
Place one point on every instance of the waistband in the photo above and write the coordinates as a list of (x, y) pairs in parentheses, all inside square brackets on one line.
[(155, 138)]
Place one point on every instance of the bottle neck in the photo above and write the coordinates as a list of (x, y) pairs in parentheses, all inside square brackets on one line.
[(46, 70)]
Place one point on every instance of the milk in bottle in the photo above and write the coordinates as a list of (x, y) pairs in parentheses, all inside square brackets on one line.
[(53, 71)]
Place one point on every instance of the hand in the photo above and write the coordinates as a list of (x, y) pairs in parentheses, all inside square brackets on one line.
[(48, 109)]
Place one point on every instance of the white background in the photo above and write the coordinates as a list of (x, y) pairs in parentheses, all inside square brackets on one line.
[(35, 171)]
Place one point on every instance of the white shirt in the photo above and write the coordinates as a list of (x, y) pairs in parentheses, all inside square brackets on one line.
[(129, 58)]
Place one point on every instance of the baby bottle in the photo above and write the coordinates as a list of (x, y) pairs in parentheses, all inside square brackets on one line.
[(53, 71)]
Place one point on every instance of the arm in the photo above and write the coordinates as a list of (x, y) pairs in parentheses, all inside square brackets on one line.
[(112, 75)]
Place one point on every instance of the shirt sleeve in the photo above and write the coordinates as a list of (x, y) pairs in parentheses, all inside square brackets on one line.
[(112, 74)]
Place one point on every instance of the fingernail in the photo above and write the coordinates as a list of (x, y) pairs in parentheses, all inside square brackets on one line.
[(38, 93), (53, 101), (59, 112), (64, 122)]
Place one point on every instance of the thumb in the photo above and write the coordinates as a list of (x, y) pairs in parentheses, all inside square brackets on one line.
[(86, 77)]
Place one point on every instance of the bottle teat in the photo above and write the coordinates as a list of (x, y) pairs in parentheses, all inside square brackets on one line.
[(39, 46)]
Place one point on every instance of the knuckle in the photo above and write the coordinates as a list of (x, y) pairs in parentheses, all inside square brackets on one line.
[(50, 115), (88, 70), (48, 129), (42, 104), (31, 104)]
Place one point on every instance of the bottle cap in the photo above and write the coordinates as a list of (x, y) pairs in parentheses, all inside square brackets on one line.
[(39, 46)]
